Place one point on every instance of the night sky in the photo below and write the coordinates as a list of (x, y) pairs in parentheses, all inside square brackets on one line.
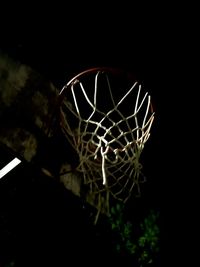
[(60, 50)]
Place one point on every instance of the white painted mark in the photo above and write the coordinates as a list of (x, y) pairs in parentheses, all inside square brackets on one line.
[(11, 165)]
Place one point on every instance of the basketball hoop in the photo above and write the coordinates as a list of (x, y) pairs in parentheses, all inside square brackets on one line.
[(107, 120)]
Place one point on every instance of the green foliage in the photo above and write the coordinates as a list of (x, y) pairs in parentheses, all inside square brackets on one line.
[(142, 244)]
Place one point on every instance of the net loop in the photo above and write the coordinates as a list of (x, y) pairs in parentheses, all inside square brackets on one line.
[(107, 132)]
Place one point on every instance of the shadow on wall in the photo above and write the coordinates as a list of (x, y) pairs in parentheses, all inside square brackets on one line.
[(43, 224)]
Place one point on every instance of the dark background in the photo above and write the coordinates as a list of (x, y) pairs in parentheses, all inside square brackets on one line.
[(60, 45)]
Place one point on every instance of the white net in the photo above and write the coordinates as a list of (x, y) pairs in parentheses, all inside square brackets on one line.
[(108, 125)]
